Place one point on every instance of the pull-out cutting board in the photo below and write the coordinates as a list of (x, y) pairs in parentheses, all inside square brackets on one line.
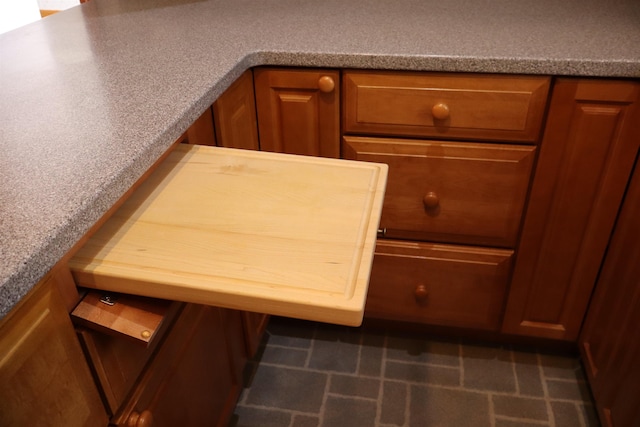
[(272, 233)]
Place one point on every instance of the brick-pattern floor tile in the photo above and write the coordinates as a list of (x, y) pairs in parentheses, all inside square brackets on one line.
[(285, 388), (435, 406), (371, 350), (254, 417), (305, 421), (284, 356), (292, 333), (520, 407), (394, 403), (353, 386), (488, 368), (561, 367), (565, 414), (420, 373), (335, 349), (316, 375), (348, 412), (528, 375), (571, 390), (413, 349)]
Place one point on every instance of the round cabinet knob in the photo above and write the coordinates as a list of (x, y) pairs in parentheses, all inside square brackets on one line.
[(326, 84), (421, 293), (431, 200), (440, 111), (144, 419)]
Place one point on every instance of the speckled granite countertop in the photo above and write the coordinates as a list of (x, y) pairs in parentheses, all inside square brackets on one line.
[(91, 97)]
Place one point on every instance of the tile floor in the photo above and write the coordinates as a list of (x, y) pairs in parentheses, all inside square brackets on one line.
[(316, 375)]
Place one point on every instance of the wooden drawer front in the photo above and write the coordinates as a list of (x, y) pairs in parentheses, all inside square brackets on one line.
[(438, 284), (111, 339), (487, 107), (450, 192)]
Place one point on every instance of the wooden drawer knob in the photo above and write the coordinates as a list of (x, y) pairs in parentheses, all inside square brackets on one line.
[(431, 200), (144, 419), (421, 293), (326, 84), (440, 111)]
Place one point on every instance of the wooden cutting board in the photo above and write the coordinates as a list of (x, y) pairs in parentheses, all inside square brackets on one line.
[(266, 232)]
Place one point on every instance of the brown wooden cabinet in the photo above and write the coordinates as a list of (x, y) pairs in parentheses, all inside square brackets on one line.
[(190, 380), (234, 114), (163, 361), (44, 377), (589, 146), (457, 201), (450, 190), (298, 111), (609, 339)]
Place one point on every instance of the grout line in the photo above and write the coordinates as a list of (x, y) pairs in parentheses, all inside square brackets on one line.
[(514, 371), (545, 389), (407, 405), (461, 364), (581, 413), (351, 396), (323, 405), (291, 412), (383, 358), (518, 420), (492, 413)]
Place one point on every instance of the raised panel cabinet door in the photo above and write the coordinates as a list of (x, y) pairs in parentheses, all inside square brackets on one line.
[(44, 377), (587, 154), (609, 339), (234, 115), (298, 111)]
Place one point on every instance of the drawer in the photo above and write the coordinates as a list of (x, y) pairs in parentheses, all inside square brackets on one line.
[(470, 193), (484, 107), (119, 339), (190, 379), (439, 284)]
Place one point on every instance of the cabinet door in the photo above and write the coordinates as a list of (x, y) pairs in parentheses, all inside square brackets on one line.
[(608, 341), (298, 111), (191, 380), (587, 154), (44, 377), (234, 115)]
